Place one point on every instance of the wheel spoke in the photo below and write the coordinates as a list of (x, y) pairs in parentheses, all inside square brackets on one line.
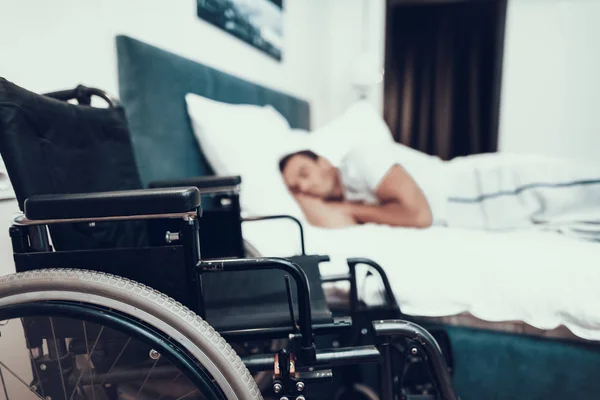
[(87, 350), (172, 383), (147, 376), (20, 380), (115, 362), (83, 393), (4, 384), (89, 367), (186, 395), (62, 378)]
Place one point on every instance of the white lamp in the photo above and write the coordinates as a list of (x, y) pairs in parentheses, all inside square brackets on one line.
[(365, 74)]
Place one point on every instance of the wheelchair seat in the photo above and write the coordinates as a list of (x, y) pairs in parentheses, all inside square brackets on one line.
[(53, 147)]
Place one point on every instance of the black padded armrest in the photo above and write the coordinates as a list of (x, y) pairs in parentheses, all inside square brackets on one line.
[(201, 182), (112, 204)]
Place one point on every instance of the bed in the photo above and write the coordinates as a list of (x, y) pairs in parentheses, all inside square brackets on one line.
[(520, 309)]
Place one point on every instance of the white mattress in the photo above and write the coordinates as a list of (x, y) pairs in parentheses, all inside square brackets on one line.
[(543, 279)]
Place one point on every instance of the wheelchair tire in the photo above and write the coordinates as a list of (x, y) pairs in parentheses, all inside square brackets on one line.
[(155, 309)]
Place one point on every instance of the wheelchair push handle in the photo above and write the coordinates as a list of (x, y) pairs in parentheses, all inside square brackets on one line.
[(83, 95)]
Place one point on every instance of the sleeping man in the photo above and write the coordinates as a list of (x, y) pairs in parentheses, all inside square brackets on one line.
[(494, 191), (368, 187)]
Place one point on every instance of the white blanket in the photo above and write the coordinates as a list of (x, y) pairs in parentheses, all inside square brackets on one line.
[(543, 279), (505, 192)]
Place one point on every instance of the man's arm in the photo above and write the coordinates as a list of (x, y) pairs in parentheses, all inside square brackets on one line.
[(402, 203), (324, 214)]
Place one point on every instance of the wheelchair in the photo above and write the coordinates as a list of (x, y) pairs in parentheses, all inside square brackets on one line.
[(125, 292)]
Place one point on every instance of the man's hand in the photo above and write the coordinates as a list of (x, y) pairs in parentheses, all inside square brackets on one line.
[(324, 214)]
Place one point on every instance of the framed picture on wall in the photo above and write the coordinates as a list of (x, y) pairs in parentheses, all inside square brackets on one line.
[(257, 22)]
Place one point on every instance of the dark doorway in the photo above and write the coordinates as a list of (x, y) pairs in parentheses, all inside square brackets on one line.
[(443, 72)]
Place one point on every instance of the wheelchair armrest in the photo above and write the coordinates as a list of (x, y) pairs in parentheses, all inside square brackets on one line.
[(121, 203), (201, 182)]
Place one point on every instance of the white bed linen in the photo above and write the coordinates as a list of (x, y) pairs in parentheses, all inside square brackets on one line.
[(503, 191), (543, 279)]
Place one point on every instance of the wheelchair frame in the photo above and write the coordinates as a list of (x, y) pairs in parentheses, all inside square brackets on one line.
[(32, 250)]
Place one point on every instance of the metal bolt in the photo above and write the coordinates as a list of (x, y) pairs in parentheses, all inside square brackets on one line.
[(284, 398), (277, 387), (364, 331), (300, 398), (43, 367), (155, 355), (335, 343), (171, 237), (48, 398), (300, 386), (92, 224), (33, 388), (414, 351)]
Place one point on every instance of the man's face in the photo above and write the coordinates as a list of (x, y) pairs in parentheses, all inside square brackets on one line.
[(304, 175)]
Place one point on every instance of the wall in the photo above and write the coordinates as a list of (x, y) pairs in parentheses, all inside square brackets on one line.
[(550, 98), (49, 45), (351, 28)]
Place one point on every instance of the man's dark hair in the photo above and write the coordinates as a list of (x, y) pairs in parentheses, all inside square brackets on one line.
[(306, 153)]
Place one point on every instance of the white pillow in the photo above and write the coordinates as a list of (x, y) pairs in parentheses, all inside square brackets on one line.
[(360, 123), (224, 131), (246, 140)]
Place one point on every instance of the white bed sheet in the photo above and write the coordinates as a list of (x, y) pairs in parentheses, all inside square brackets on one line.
[(543, 279)]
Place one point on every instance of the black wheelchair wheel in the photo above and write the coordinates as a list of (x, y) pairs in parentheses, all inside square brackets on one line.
[(88, 335)]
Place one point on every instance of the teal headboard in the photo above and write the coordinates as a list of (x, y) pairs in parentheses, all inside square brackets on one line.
[(152, 86)]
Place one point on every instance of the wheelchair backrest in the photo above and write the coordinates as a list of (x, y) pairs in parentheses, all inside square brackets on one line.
[(50, 146)]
